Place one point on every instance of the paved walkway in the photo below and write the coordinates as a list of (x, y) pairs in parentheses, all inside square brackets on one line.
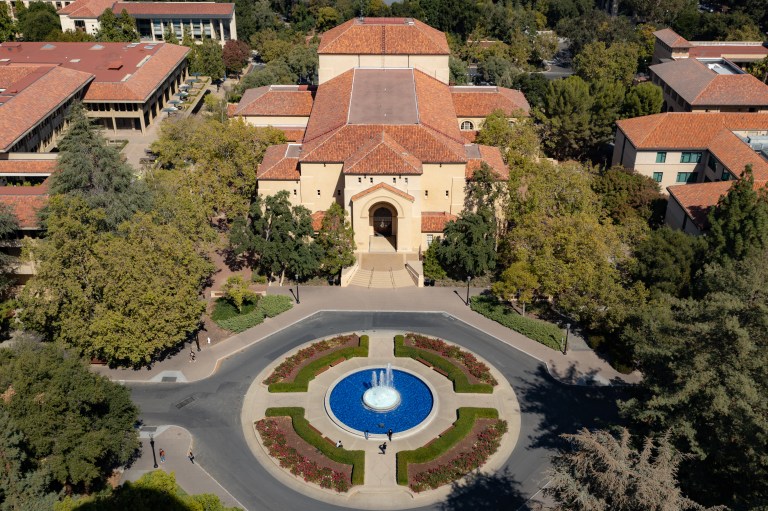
[(580, 366)]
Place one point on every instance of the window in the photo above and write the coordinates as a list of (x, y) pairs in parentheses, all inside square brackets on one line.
[(726, 175), (338, 192), (406, 180), (690, 157), (430, 238), (371, 180), (657, 176), (359, 179), (446, 193), (426, 193), (318, 193), (80, 25), (394, 180), (711, 163), (687, 177), (661, 157), (294, 191), (467, 126)]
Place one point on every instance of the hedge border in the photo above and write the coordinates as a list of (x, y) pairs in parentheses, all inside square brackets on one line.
[(304, 429), (268, 306), (465, 421), (307, 373), (460, 381), (538, 330)]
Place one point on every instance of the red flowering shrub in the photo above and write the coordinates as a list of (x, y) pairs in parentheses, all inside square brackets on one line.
[(289, 364), (476, 368)]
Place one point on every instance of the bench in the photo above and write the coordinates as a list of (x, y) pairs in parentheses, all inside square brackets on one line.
[(441, 371), (322, 370), (419, 359), (446, 431), (338, 361)]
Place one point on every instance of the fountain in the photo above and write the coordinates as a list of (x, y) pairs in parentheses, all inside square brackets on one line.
[(382, 396)]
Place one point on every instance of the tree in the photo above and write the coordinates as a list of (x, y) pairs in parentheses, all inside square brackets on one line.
[(517, 282), (458, 71), (77, 426), (89, 168), (276, 237), (188, 41), (519, 137), (7, 26), (125, 297), (432, 267), (275, 72), (208, 59), (607, 100), (658, 11), (236, 55), (757, 69), (336, 240), (595, 25), (169, 36), (9, 226), (617, 62), (236, 291), (739, 222), (534, 86), (303, 62), (497, 71), (70, 36), (626, 194), (642, 99), (254, 16), (566, 117), (37, 21), (604, 473), (668, 260), (117, 29), (327, 18)]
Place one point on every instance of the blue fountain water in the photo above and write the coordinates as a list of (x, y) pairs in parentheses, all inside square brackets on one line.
[(346, 402)]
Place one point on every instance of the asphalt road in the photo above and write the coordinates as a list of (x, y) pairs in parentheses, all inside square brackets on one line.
[(549, 409)]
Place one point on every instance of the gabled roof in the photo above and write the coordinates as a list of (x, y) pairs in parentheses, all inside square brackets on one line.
[(434, 221), (382, 155), (25, 202), (671, 38), (697, 199), (383, 36), (383, 186), (89, 9), (27, 167), (275, 100), (473, 101), (280, 163), (191, 9)]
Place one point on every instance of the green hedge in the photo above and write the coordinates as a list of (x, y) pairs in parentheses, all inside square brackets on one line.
[(243, 322), (544, 332), (226, 316), (273, 305), (461, 428), (312, 437), (224, 309), (307, 373), (457, 376)]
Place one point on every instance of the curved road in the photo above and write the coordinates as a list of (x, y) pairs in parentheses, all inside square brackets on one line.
[(210, 410)]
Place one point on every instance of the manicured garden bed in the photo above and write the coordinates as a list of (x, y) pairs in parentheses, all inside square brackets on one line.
[(474, 437), (296, 371), (226, 315), (313, 464), (457, 372), (546, 333)]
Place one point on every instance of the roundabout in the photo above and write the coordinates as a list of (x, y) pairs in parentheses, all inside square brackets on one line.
[(220, 411)]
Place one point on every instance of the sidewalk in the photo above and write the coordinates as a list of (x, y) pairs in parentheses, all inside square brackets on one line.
[(176, 442), (580, 366)]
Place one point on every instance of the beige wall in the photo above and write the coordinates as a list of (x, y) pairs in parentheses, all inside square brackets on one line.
[(677, 219), (407, 227), (325, 178), (292, 121), (437, 179), (269, 187), (67, 23), (332, 66)]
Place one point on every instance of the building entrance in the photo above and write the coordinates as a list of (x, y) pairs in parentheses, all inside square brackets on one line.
[(382, 222)]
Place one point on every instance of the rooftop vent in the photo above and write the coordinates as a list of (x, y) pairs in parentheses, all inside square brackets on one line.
[(114, 65), (75, 61), (149, 47), (96, 47), (48, 47)]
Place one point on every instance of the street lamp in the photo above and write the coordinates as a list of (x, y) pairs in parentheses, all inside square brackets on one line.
[(469, 277), (567, 331), (297, 289), (152, 443)]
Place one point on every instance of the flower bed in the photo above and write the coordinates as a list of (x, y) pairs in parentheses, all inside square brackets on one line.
[(466, 359), (275, 435), (296, 371)]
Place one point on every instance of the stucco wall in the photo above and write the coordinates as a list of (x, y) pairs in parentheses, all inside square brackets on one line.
[(325, 178), (331, 66), (287, 121), (272, 187), (677, 219)]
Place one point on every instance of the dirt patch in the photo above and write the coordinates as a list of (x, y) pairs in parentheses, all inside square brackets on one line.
[(308, 451), (470, 377)]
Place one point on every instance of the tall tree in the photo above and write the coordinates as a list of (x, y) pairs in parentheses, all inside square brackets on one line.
[(236, 55), (208, 59), (37, 21), (642, 99), (7, 26), (566, 117), (117, 29), (169, 36), (668, 260), (604, 473), (336, 239), (9, 226), (617, 62), (626, 194), (77, 424), (519, 138)]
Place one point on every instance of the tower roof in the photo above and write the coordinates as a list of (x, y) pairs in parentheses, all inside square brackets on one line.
[(384, 36)]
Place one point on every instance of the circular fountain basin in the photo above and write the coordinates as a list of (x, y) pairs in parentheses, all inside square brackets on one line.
[(381, 399)]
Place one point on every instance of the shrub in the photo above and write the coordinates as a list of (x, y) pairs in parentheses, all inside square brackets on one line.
[(259, 279), (272, 305), (242, 322), (226, 315), (463, 426), (224, 309), (236, 291), (307, 373), (460, 382), (548, 334), (304, 430)]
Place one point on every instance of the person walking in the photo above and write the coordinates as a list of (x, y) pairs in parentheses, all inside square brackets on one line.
[(338, 444), (191, 355), (389, 435), (383, 448), (162, 456), (191, 456)]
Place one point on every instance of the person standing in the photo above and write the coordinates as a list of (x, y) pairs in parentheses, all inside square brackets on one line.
[(162, 456), (389, 435), (191, 456), (366, 434), (383, 448)]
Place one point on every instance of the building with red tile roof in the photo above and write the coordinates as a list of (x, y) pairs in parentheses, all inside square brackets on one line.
[(203, 19), (702, 151), (126, 84), (384, 142), (669, 45)]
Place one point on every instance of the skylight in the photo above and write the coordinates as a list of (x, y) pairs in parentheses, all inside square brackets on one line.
[(48, 47), (97, 47)]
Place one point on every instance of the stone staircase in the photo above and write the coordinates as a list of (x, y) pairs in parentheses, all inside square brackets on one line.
[(380, 271)]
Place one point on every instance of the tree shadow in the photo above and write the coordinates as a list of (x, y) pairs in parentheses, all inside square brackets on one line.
[(137, 499), (485, 491), (234, 261)]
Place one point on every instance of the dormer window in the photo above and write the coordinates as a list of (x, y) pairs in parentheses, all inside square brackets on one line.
[(467, 126)]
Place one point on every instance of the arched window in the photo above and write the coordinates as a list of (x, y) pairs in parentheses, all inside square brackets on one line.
[(467, 126)]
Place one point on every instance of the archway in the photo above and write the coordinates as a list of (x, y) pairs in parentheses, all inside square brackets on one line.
[(382, 221), (383, 224)]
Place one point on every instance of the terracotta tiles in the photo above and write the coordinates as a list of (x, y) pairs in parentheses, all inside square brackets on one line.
[(275, 101), (489, 155), (292, 134), (277, 165), (383, 36), (732, 152), (481, 101), (175, 8), (434, 221), (87, 8), (671, 38), (382, 155), (25, 202), (25, 167), (436, 109), (317, 220), (331, 106), (697, 199), (383, 186)]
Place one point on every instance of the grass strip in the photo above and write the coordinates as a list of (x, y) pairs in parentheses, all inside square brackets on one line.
[(310, 435), (307, 373), (546, 333), (452, 371), (465, 421)]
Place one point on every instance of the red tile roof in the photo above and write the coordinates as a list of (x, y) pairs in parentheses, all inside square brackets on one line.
[(732, 51), (434, 221), (280, 163), (331, 106), (477, 154), (384, 36), (382, 155), (175, 8), (697, 199), (384, 186), (480, 101), (32, 93), (276, 100), (25, 202), (672, 38), (87, 8), (292, 134), (26, 167), (732, 152)]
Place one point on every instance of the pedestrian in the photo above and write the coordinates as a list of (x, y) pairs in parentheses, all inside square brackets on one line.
[(383, 448), (389, 435), (191, 456), (338, 444), (209, 340), (191, 355), (366, 434), (162, 456)]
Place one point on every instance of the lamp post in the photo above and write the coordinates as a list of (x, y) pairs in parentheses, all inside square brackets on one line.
[(297, 289), (567, 331), (152, 443), (468, 279)]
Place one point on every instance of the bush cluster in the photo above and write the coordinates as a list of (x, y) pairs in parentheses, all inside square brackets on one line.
[(476, 368), (307, 373), (290, 363), (273, 305), (455, 374), (546, 333), (463, 426), (225, 314), (308, 434)]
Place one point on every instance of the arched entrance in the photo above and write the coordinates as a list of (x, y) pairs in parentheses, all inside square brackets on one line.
[(382, 221), (383, 218)]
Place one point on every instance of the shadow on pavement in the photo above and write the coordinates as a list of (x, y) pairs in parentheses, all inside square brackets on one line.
[(485, 491)]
